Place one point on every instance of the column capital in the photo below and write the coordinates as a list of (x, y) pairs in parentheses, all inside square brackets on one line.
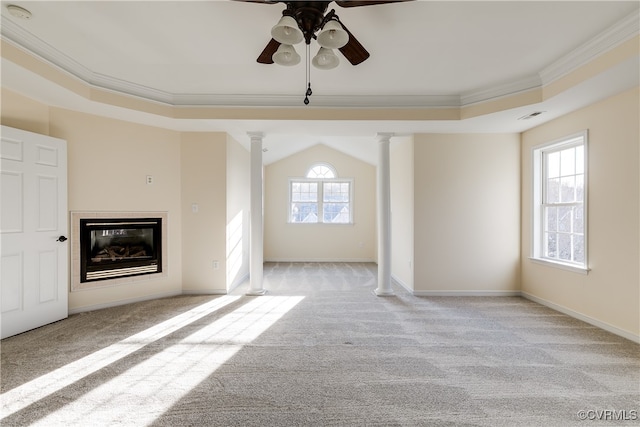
[(384, 136), (256, 136)]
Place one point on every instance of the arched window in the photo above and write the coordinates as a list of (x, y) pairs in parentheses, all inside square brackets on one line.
[(322, 171), (321, 197)]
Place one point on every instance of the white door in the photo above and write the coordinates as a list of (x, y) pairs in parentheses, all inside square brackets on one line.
[(33, 229)]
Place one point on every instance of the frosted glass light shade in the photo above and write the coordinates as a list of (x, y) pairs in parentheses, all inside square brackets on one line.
[(286, 31), (332, 35), (286, 55), (325, 59)]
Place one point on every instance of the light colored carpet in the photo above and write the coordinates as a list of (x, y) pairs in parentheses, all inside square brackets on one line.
[(320, 349)]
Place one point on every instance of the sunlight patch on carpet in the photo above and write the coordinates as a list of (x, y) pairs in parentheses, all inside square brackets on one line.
[(150, 388), (45, 385)]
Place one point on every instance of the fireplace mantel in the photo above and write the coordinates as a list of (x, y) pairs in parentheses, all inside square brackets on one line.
[(76, 216)]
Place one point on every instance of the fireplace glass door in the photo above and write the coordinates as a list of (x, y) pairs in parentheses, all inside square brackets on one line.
[(112, 248)]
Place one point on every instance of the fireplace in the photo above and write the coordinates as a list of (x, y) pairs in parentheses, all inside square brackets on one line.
[(119, 247)]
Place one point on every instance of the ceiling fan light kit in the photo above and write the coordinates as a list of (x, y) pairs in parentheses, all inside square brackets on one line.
[(332, 35), (286, 31), (301, 20), (325, 59), (286, 55)]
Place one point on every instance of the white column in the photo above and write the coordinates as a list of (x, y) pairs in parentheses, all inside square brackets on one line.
[(256, 255), (384, 216)]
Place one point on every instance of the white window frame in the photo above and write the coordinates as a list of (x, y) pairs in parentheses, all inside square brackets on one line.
[(539, 154), (321, 182), (327, 166)]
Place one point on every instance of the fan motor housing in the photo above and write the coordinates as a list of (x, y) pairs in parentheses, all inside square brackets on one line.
[(308, 14)]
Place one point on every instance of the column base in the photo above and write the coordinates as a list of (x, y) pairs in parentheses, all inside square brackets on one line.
[(384, 293), (256, 293)]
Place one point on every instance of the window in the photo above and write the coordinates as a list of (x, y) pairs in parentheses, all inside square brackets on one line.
[(560, 193), (320, 197), (321, 170)]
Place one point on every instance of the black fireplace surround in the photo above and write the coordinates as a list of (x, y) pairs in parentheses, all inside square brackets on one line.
[(119, 247)]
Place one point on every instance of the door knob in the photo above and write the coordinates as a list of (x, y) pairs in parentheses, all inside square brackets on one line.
[(61, 239)]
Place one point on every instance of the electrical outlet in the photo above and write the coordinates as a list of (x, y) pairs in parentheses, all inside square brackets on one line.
[(149, 179), (216, 265)]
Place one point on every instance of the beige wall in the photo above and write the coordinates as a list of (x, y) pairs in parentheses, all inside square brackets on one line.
[(24, 113), (107, 167), (467, 213), (204, 183), (319, 242), (238, 206), (108, 161), (402, 211), (108, 164), (610, 293)]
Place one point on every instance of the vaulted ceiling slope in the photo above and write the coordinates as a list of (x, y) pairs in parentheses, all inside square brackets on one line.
[(449, 66)]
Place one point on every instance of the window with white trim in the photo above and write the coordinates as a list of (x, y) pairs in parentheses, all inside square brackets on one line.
[(559, 202), (321, 197)]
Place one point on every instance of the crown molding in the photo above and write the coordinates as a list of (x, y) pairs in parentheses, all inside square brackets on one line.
[(502, 90), (113, 84), (42, 50), (605, 41), (347, 101)]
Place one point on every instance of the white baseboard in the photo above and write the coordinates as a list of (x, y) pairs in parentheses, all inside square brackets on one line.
[(301, 260), (204, 292), (462, 293), (401, 283), (590, 320), (123, 302), (239, 281)]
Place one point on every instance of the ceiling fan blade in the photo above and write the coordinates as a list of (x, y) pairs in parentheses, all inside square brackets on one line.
[(260, 1), (349, 3), (353, 50), (267, 54)]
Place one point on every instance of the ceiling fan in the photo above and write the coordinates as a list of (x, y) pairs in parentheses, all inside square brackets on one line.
[(307, 20)]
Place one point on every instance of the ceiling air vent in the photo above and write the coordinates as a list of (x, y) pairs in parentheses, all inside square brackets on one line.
[(531, 115)]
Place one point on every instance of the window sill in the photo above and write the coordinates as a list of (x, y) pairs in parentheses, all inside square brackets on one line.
[(561, 265), (331, 224)]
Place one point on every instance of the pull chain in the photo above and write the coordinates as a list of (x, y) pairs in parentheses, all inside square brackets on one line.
[(308, 75)]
